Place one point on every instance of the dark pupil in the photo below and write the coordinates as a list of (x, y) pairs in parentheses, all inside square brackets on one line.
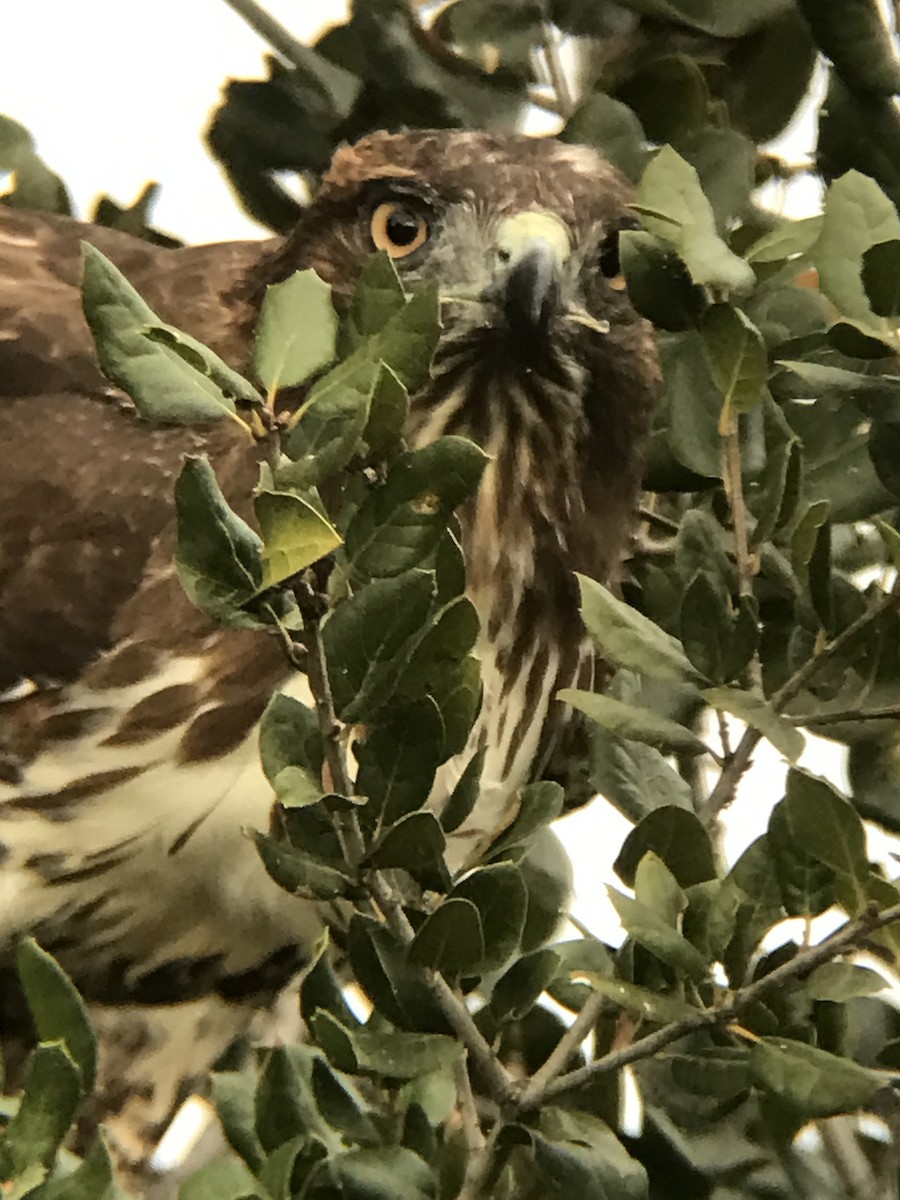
[(402, 227)]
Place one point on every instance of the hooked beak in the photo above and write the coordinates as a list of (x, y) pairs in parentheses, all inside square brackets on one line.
[(532, 249)]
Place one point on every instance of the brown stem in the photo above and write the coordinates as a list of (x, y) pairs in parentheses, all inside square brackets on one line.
[(737, 764), (845, 938), (382, 892), (848, 714), (563, 1050)]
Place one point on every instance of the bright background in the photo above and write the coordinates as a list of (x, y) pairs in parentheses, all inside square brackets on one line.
[(115, 97)]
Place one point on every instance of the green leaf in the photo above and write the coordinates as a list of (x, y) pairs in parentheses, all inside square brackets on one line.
[(611, 128), (370, 638), (450, 939), (232, 1095), (294, 535), (578, 1155), (539, 804), (652, 932), (787, 240), (659, 285), (756, 877), (628, 639), (705, 625), (379, 296), (301, 874), (811, 556), (842, 981), (388, 411), (517, 992), (379, 964), (169, 376), (638, 724), (758, 713), (385, 1173), (341, 1108), (671, 187), (854, 36), (652, 1007), (400, 524), (737, 356), (719, 1071), (223, 1179), (857, 216), (93, 1179), (414, 843), (285, 1107), (326, 431), (807, 885), (218, 556), (386, 1053), (464, 796), (633, 777), (828, 828), (56, 1008), (498, 893), (290, 741), (678, 837), (296, 333), (50, 1097), (810, 1081), (881, 277), (398, 760)]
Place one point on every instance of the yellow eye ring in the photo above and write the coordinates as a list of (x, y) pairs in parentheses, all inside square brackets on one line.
[(398, 228)]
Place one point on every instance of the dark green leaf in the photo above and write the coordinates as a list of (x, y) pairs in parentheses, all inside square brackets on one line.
[(386, 1173), (233, 1097), (93, 1179), (578, 1155), (611, 128), (414, 843), (223, 1179), (450, 939), (386, 1053), (169, 376), (810, 1081), (671, 187), (538, 805), (807, 885), (638, 724), (50, 1097), (737, 356), (464, 796), (516, 992), (659, 285), (498, 892), (841, 981), (881, 277), (218, 557), (400, 524), (300, 873), (853, 35), (56, 1008), (827, 827), (649, 930), (680, 840), (628, 639), (370, 638)]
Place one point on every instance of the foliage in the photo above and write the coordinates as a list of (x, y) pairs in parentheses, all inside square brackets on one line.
[(761, 589)]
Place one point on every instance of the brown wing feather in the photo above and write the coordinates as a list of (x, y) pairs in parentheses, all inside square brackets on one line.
[(85, 485)]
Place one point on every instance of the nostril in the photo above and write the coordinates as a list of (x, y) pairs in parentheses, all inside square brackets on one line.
[(503, 256)]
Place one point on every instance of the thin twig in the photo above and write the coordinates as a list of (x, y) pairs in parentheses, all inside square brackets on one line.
[(564, 1049), (384, 895), (657, 519), (723, 792), (271, 31), (468, 1111), (848, 714), (556, 71), (843, 939)]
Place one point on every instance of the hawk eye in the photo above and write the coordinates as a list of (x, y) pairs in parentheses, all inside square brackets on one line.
[(398, 228), (610, 265)]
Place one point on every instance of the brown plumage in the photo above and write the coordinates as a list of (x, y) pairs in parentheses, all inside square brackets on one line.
[(127, 720)]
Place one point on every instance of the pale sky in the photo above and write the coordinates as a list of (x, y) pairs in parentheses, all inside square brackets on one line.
[(116, 94)]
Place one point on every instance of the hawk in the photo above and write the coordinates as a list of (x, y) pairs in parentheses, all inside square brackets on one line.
[(128, 760)]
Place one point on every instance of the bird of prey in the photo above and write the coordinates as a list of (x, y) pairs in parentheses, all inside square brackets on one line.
[(128, 720)]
